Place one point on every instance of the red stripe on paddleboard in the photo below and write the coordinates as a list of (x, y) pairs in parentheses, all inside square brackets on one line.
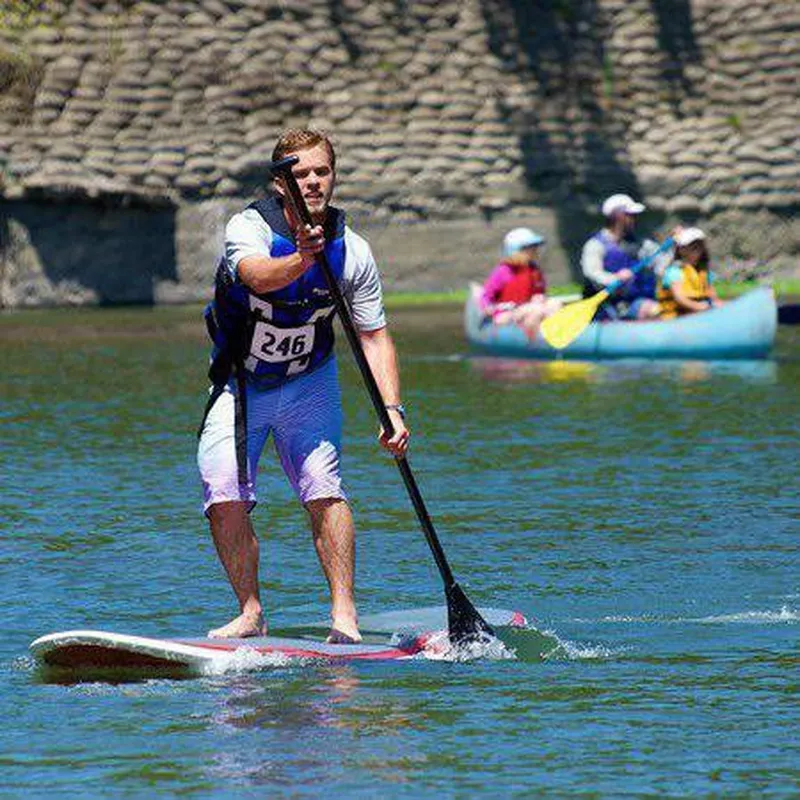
[(518, 620), (412, 648)]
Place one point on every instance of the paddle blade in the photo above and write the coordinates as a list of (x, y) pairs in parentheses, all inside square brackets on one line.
[(464, 622), (569, 322)]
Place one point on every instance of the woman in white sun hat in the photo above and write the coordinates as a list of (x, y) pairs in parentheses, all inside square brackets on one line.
[(516, 291), (687, 286)]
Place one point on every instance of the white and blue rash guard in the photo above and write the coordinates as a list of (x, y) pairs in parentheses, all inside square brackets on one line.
[(288, 332)]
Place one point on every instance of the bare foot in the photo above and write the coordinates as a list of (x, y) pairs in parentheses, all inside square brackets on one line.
[(240, 628), (344, 633)]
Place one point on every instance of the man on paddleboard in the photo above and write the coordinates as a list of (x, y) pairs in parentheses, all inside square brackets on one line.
[(273, 371)]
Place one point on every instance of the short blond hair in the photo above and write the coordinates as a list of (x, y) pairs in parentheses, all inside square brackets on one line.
[(296, 139)]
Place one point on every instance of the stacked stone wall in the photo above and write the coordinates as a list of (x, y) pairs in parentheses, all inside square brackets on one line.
[(454, 119)]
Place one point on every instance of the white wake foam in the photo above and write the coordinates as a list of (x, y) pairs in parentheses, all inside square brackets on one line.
[(785, 614), (583, 652), (576, 651), (486, 648), (245, 659)]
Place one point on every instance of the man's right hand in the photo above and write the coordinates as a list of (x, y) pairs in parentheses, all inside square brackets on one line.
[(310, 241), (625, 275)]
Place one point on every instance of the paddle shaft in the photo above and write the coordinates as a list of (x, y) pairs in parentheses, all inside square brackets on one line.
[(641, 264), (295, 197)]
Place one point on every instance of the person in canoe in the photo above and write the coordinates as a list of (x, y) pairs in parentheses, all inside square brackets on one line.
[(273, 370), (610, 254), (516, 291), (687, 285)]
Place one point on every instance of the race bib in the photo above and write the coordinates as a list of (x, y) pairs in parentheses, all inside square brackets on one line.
[(274, 344)]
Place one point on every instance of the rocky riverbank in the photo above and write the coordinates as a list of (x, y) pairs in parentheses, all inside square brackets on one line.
[(129, 131)]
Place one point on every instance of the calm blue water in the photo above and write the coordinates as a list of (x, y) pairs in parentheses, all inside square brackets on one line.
[(644, 516)]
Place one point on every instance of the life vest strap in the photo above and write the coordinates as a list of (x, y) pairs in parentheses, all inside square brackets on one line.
[(239, 417)]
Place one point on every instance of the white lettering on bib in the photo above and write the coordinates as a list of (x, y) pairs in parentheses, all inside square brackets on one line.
[(275, 345)]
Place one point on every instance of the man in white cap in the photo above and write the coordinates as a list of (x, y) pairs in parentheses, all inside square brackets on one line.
[(610, 255), (515, 291), (687, 285)]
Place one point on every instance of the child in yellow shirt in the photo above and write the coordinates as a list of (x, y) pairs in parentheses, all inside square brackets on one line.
[(687, 285)]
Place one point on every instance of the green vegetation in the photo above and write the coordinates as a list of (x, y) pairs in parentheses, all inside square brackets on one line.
[(788, 287), (458, 297), (567, 288), (783, 288), (565, 11), (608, 77), (18, 16), (21, 72), (386, 66), (411, 299), (734, 120), (116, 45), (20, 76)]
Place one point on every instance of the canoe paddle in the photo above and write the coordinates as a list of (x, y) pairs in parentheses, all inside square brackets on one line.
[(464, 622), (569, 322)]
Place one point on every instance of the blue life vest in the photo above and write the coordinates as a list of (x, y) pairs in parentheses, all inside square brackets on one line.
[(625, 255), (272, 337)]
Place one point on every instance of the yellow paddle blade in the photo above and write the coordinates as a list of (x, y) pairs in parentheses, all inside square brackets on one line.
[(567, 324)]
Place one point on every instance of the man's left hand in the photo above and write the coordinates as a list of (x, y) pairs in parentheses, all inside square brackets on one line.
[(398, 444)]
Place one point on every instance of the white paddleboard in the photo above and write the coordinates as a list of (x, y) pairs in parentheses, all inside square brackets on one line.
[(92, 651)]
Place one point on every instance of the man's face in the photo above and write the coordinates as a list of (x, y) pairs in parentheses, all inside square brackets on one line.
[(316, 179), (629, 221)]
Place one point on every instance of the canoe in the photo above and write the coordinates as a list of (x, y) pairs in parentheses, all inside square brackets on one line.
[(741, 329)]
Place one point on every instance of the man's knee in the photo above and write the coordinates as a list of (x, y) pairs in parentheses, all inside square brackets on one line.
[(329, 512), (227, 511), (321, 505)]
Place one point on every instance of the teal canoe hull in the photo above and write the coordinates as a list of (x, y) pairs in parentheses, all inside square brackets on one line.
[(741, 329)]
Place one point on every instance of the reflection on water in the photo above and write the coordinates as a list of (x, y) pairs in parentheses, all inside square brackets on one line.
[(690, 371), (509, 370), (299, 719), (292, 702)]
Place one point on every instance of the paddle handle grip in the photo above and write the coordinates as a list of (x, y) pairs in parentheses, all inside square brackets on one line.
[(642, 263)]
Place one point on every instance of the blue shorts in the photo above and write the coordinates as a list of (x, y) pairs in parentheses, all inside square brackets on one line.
[(304, 416)]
